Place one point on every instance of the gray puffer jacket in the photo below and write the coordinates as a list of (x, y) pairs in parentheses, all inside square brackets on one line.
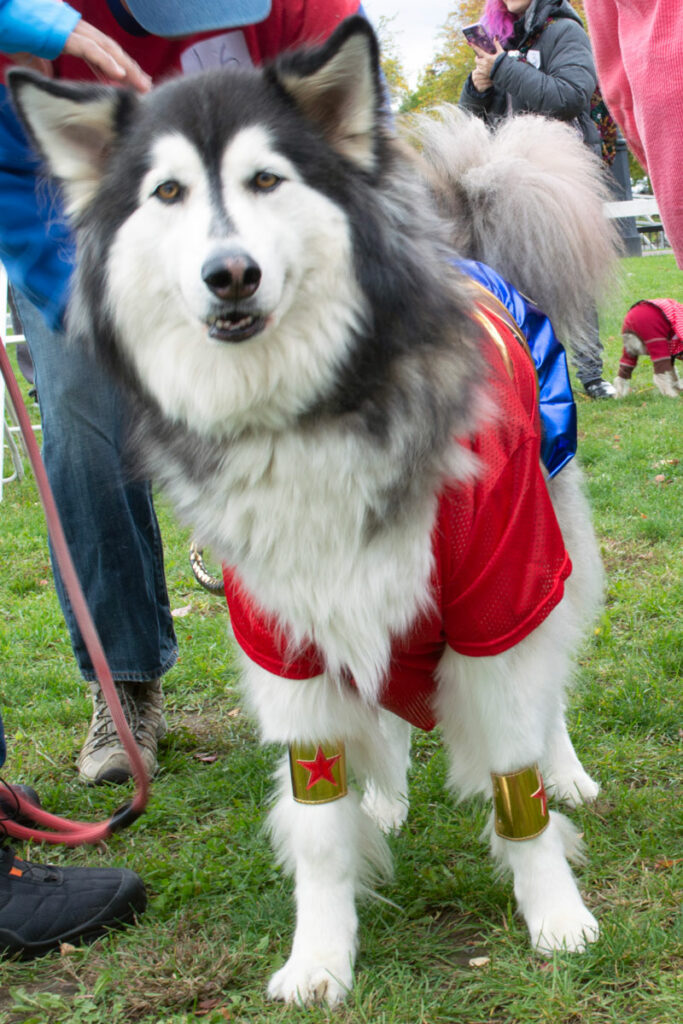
[(557, 79)]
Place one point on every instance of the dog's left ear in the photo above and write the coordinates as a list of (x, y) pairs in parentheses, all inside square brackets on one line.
[(338, 87), (73, 126)]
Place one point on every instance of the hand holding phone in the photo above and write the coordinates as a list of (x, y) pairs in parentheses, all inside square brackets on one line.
[(476, 35)]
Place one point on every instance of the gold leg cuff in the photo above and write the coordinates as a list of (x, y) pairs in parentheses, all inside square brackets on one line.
[(520, 804), (318, 772)]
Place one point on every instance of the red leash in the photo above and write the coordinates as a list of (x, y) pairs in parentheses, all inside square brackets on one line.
[(72, 833)]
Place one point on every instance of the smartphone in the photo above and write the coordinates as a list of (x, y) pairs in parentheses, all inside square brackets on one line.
[(478, 36)]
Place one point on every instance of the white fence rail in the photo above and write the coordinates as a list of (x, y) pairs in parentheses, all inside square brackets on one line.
[(9, 428)]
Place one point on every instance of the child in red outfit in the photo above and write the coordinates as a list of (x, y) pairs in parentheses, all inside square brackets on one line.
[(652, 327)]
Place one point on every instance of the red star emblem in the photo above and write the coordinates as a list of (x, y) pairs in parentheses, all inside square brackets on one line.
[(540, 794), (321, 768)]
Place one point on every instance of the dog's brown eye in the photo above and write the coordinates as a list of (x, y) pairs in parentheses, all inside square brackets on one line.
[(265, 181), (169, 191)]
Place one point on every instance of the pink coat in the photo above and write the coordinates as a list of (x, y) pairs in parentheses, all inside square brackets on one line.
[(638, 47)]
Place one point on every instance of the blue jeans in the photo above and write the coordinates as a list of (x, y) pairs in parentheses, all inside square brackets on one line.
[(108, 518)]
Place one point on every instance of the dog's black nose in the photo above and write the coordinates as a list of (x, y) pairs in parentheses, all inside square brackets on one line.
[(231, 274)]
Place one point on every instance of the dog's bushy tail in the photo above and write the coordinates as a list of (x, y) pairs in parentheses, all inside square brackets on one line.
[(527, 199)]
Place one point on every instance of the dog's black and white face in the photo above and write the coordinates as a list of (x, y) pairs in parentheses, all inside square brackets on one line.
[(215, 225), (253, 247)]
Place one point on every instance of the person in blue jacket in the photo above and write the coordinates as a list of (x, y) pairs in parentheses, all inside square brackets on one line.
[(109, 522), (42, 906)]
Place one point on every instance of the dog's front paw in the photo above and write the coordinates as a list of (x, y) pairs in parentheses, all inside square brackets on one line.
[(667, 384), (568, 929), (307, 980), (573, 788), (389, 813), (622, 387)]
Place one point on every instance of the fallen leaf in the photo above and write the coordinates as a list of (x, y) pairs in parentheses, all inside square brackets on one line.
[(180, 613), (212, 1006), (480, 961), (234, 713), (206, 758), (665, 863)]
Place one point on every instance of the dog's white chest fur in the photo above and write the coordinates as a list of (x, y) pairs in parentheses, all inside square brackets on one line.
[(292, 514)]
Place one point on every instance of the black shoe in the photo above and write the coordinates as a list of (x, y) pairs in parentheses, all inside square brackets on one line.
[(42, 906), (599, 389), (9, 808)]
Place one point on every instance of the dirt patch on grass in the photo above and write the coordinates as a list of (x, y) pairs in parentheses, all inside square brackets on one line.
[(625, 554), (184, 966)]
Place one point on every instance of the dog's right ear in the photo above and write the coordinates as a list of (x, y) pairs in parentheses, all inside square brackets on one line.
[(72, 125)]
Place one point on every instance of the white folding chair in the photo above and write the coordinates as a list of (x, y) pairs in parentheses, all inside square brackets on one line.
[(9, 426)]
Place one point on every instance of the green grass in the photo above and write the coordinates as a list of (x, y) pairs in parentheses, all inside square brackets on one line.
[(220, 913)]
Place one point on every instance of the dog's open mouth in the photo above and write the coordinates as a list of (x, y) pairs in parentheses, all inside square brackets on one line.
[(235, 325)]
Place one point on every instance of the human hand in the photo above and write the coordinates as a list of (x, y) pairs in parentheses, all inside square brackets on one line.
[(483, 66), (103, 56)]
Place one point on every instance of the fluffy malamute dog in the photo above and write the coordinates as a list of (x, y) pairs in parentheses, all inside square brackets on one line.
[(351, 425)]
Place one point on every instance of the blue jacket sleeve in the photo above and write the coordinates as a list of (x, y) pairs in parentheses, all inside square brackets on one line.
[(36, 245), (40, 27)]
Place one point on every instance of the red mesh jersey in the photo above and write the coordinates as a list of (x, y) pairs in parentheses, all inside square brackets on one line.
[(499, 557)]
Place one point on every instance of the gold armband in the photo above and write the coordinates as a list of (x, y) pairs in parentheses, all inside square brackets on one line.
[(318, 772), (520, 804)]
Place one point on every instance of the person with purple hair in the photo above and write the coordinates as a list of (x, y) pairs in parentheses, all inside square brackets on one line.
[(543, 64)]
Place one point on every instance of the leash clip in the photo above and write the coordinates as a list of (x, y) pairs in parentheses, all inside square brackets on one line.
[(123, 817)]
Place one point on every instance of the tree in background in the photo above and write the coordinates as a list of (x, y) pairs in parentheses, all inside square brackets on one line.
[(443, 79), (578, 7), (392, 68)]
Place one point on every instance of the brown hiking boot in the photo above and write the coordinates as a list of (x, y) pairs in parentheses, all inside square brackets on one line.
[(103, 758)]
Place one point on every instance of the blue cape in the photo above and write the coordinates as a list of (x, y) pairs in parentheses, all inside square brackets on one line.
[(557, 406)]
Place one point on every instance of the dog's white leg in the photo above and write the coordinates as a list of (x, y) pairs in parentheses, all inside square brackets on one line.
[(333, 849), (319, 843), (565, 777), (545, 889), (622, 387), (496, 715), (387, 801), (667, 383)]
